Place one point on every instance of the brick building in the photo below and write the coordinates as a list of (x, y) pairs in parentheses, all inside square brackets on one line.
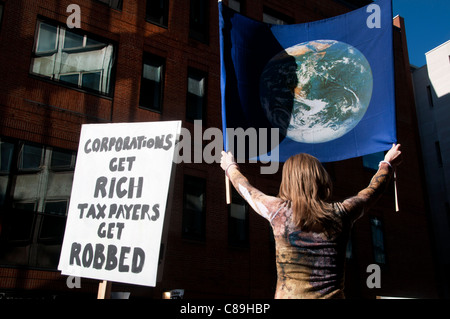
[(138, 60)]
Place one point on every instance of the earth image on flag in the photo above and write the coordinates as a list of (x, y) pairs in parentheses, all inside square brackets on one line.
[(316, 91)]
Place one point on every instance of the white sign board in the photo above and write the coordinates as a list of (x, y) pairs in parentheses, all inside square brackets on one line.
[(118, 201)]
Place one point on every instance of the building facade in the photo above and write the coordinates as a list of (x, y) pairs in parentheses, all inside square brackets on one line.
[(432, 94), (146, 60)]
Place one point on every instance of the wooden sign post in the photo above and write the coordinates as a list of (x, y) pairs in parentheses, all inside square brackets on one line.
[(104, 290)]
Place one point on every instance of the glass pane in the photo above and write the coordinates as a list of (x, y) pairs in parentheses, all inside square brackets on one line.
[(3, 188), (151, 83), (70, 78), (91, 80), (52, 229), (156, 11), (194, 203), (96, 59), (6, 152), (195, 95), (194, 107), (349, 250), (1, 12), (56, 208), (193, 225), (196, 85), (377, 240), (31, 157), (93, 42), (47, 38), (115, 4), (61, 159), (25, 206), (268, 18), (152, 72), (237, 232), (73, 40), (198, 24), (150, 95), (237, 211), (21, 222), (235, 5)]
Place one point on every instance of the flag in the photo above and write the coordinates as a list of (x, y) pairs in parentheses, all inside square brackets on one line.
[(327, 86)]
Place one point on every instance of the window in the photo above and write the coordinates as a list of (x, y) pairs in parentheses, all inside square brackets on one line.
[(157, 12), (198, 20), (236, 5), (349, 249), (31, 157), (62, 160), (196, 95), (1, 13), (371, 161), (115, 4), (237, 220), (438, 153), (35, 187), (53, 221), (152, 83), (430, 96), (273, 17), (194, 208), (74, 59), (377, 240), (6, 155)]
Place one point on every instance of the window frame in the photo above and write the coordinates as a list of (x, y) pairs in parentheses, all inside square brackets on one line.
[(276, 16), (2, 10), (27, 224), (199, 31), (236, 199), (239, 3), (164, 17), (110, 4), (161, 62), (107, 76), (186, 234), (191, 111), (378, 240)]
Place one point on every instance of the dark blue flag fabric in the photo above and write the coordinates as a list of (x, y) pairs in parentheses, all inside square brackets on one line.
[(327, 85)]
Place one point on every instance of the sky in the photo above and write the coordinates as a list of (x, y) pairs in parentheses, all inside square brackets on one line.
[(427, 24)]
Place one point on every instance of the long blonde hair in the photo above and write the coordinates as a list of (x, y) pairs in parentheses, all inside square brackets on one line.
[(307, 186)]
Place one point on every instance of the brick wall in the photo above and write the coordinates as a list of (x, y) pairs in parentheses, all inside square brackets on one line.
[(45, 112)]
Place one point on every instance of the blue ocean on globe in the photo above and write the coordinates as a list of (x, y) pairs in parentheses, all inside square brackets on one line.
[(316, 91)]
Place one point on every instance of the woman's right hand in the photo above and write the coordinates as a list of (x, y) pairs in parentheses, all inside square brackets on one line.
[(393, 156), (227, 160)]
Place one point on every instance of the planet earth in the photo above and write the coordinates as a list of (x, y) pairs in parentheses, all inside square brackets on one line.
[(316, 91)]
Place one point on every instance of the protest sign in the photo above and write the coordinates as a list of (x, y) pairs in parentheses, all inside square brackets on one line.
[(118, 202)]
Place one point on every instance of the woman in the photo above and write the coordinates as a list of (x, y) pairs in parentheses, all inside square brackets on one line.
[(311, 232)]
